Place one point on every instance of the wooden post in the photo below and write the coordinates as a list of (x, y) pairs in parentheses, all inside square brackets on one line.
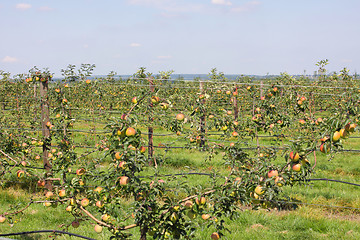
[(202, 119), (150, 128), (45, 131), (35, 107), (236, 108)]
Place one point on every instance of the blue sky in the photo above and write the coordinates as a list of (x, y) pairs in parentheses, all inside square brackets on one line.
[(235, 36)]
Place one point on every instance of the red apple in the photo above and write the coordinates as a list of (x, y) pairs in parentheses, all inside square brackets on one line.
[(75, 224), (80, 171), (296, 167), (134, 100), (259, 190), (124, 180), (118, 155), (188, 204), (130, 132), (62, 193), (98, 228), (84, 202), (294, 156), (215, 236), (105, 217), (20, 173), (273, 173), (180, 117)]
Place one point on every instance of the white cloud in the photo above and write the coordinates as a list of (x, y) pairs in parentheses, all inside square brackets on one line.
[(135, 45), (9, 59), (46, 9), (221, 2), (164, 57), (23, 6)]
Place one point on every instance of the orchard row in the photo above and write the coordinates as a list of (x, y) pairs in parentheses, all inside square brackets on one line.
[(42, 117)]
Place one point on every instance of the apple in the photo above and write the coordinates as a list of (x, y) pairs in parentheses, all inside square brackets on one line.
[(237, 180), (164, 106), (134, 100), (228, 92), (155, 99), (352, 127), (218, 91), (80, 171), (69, 208), (88, 81), (20, 173), (118, 155), (294, 156), (259, 190), (84, 202), (215, 236), (98, 228), (99, 204), (224, 128), (343, 133), (98, 189), (75, 224), (180, 117), (40, 183), (142, 149), (205, 216), (302, 121), (279, 181), (47, 204), (130, 132), (234, 134), (49, 195), (123, 117), (275, 89), (124, 180), (174, 217), (62, 193), (131, 147), (296, 167), (64, 101), (2, 219), (200, 201), (188, 204), (105, 217), (122, 164), (305, 162), (232, 144), (325, 148), (273, 173), (324, 139), (229, 112), (336, 136)]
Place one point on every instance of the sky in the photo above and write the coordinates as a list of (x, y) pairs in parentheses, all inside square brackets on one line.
[(187, 36)]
